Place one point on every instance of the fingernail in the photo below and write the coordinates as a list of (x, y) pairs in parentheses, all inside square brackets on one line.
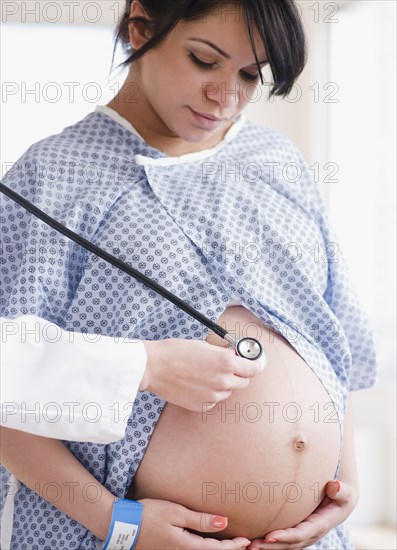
[(219, 521), (270, 540)]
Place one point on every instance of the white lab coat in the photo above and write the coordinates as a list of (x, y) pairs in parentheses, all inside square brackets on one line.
[(67, 385)]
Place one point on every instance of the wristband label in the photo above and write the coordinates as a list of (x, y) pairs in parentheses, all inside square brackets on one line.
[(123, 536)]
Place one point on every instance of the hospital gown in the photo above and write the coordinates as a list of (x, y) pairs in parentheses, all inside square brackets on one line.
[(243, 221)]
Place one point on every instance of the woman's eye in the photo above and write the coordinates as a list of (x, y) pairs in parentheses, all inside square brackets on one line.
[(250, 77), (247, 76), (201, 63)]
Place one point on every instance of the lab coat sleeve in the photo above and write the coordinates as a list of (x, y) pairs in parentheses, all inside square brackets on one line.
[(67, 385)]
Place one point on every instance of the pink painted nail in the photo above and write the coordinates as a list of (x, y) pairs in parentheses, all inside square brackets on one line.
[(219, 521), (335, 487), (270, 540)]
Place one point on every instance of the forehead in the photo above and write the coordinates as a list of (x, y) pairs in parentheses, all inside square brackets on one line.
[(226, 27)]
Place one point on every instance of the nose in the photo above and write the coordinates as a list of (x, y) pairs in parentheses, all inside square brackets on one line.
[(227, 93)]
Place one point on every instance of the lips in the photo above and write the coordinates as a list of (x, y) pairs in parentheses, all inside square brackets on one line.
[(207, 121), (210, 117)]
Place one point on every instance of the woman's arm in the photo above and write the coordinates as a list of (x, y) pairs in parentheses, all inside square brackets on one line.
[(339, 502), (79, 495), (38, 461), (348, 466)]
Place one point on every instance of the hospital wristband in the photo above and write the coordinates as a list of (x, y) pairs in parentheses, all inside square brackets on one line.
[(124, 525)]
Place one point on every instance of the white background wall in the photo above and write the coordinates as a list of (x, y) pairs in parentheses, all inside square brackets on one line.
[(55, 66)]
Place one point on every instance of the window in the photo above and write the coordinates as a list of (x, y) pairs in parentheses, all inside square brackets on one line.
[(52, 76)]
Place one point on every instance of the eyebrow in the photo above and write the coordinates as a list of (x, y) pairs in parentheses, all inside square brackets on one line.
[(211, 45), (220, 51)]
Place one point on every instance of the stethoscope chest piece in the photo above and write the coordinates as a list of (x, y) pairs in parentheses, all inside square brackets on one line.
[(249, 348)]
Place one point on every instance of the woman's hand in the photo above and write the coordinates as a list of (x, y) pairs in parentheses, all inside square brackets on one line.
[(165, 527), (193, 374), (336, 506)]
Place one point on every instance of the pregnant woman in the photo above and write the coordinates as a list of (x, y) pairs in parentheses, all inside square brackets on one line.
[(224, 213)]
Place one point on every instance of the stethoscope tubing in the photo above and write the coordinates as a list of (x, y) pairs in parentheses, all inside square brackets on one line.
[(116, 262)]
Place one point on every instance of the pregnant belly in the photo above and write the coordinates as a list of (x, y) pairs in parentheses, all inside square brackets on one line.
[(262, 457)]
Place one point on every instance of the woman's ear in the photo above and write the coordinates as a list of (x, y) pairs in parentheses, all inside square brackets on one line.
[(137, 31)]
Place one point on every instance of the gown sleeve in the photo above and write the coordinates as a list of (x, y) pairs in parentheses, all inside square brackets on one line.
[(40, 269), (40, 273), (340, 294)]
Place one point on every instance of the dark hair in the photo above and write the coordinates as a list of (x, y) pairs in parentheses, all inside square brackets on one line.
[(278, 23)]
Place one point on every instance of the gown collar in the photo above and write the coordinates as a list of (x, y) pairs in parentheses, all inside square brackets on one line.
[(166, 160)]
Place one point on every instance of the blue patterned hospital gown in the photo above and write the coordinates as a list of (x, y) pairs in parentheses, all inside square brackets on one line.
[(243, 221)]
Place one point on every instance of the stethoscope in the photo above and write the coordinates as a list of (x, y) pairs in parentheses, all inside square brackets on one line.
[(248, 348)]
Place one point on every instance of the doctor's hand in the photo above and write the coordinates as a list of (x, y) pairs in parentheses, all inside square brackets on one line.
[(193, 374), (164, 527), (335, 508)]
